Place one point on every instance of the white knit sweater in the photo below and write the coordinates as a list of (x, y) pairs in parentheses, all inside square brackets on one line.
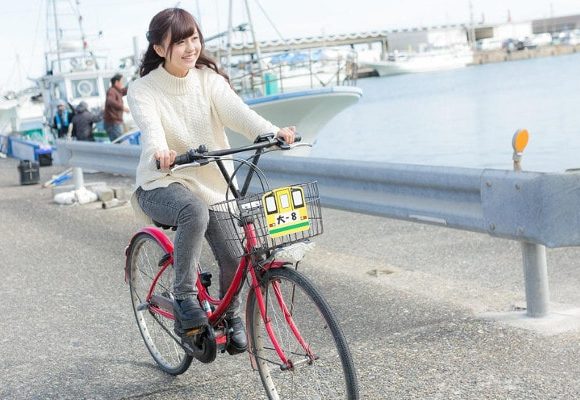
[(182, 113)]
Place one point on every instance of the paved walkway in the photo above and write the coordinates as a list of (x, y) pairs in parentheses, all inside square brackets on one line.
[(410, 298)]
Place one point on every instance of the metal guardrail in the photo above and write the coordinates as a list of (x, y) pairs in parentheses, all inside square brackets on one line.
[(104, 157), (536, 207), (531, 207)]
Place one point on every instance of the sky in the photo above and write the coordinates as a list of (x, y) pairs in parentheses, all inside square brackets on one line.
[(23, 23)]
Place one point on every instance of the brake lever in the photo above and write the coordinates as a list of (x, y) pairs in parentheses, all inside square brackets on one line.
[(189, 165), (282, 143)]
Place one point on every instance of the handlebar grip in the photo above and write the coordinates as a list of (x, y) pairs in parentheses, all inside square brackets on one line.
[(181, 159), (285, 146)]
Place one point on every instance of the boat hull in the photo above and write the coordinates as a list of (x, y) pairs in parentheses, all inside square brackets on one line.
[(308, 110), (421, 63)]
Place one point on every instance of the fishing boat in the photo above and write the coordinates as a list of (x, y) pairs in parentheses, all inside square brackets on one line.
[(306, 94), (21, 112), (22, 125), (305, 89)]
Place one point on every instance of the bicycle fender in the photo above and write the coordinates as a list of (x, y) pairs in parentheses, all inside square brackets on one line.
[(277, 264), (157, 234)]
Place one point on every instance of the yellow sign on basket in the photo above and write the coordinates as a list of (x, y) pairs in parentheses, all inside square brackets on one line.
[(285, 211)]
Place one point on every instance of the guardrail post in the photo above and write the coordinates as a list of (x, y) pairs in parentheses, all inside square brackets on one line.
[(536, 279), (78, 179), (534, 255)]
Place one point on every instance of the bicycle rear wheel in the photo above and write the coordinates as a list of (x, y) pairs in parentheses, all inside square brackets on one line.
[(324, 370), (145, 256)]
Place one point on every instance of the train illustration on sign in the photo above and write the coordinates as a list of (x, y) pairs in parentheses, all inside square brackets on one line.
[(285, 211)]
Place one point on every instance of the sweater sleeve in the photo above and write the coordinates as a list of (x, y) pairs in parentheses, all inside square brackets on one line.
[(146, 115), (234, 113)]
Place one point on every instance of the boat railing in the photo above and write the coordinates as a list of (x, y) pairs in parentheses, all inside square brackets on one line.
[(281, 77)]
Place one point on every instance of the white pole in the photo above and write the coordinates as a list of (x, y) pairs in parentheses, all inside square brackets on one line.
[(229, 41), (56, 34), (136, 52), (255, 40), (78, 179)]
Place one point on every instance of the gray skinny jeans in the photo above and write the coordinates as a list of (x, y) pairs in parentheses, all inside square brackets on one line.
[(175, 205)]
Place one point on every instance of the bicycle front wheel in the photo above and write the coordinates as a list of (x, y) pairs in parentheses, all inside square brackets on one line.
[(145, 260), (319, 362)]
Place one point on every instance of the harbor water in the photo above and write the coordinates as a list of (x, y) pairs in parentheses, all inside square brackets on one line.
[(465, 117)]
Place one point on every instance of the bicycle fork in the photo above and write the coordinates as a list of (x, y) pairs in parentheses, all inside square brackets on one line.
[(286, 363)]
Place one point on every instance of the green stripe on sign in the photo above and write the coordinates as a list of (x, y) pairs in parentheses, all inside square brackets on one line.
[(290, 227)]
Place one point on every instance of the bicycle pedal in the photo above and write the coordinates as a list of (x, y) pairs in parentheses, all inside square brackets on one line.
[(194, 331)]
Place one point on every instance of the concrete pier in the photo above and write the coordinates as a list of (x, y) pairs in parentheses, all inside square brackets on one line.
[(493, 56), (414, 302)]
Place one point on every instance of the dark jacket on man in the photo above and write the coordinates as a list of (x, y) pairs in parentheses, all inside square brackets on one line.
[(114, 106), (82, 122)]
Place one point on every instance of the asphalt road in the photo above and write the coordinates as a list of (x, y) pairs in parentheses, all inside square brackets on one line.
[(409, 297)]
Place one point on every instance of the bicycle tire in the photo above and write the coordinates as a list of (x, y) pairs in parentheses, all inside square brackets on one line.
[(157, 331), (332, 374)]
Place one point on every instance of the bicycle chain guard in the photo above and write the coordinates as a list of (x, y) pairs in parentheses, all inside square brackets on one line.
[(202, 346)]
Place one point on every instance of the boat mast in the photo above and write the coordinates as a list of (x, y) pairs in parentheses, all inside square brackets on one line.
[(56, 56), (256, 44), (56, 35), (83, 37)]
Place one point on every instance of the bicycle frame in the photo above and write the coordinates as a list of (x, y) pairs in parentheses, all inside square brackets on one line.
[(163, 307), (160, 306)]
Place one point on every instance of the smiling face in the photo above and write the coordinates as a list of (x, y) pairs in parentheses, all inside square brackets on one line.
[(180, 56), (176, 42)]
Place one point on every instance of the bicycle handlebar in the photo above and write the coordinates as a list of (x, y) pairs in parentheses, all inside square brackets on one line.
[(201, 153)]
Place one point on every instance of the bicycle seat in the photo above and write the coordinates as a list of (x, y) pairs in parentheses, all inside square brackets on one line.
[(163, 226)]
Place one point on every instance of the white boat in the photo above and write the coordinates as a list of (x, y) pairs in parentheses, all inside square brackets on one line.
[(309, 110), (22, 113), (303, 89), (306, 94), (428, 61)]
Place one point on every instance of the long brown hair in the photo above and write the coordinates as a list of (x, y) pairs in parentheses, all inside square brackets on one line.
[(178, 24)]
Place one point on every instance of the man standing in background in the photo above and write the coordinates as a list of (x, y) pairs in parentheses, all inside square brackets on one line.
[(114, 108), (82, 123)]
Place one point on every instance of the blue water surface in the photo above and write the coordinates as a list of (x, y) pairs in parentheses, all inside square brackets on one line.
[(465, 117)]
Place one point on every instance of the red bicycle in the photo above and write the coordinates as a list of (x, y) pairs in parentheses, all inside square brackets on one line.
[(294, 339)]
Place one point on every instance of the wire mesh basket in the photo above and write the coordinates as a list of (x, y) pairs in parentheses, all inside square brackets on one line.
[(280, 217)]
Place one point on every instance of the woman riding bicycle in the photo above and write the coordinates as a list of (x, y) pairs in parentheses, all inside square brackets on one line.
[(183, 100)]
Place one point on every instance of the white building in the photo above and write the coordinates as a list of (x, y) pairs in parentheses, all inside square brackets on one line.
[(421, 39), (519, 31)]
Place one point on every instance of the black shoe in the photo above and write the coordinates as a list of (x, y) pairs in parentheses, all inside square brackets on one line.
[(188, 315), (238, 341)]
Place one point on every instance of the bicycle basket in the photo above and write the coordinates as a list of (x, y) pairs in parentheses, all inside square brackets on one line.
[(281, 216)]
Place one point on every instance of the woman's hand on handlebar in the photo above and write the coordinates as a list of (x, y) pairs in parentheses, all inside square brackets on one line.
[(166, 158), (288, 133)]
